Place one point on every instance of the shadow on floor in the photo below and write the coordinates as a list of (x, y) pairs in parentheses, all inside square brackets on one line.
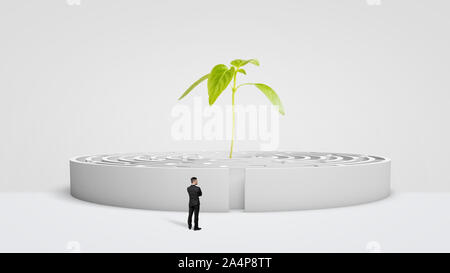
[(64, 193), (178, 223)]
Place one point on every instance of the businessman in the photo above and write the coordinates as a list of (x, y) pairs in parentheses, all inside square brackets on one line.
[(194, 202)]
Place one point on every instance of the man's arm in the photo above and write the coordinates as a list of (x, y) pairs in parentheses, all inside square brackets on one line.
[(199, 192)]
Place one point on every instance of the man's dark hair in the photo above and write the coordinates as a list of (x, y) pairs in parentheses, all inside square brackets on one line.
[(193, 179)]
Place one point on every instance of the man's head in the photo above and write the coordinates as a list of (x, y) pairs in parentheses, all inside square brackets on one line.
[(194, 180)]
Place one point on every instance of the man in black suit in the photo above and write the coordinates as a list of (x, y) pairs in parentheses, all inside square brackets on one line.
[(194, 202)]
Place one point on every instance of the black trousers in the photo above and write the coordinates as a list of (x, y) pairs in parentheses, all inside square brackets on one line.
[(193, 210)]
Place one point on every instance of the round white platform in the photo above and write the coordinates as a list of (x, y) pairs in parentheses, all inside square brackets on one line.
[(253, 181)]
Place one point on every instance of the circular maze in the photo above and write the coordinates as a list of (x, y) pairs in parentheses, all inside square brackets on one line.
[(253, 181), (221, 160)]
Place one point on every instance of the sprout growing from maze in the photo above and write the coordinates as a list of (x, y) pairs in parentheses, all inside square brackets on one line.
[(221, 76)]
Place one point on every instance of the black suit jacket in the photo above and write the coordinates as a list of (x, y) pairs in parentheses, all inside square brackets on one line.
[(194, 194)]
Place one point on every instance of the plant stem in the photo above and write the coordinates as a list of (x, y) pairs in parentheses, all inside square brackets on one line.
[(232, 129), (234, 117)]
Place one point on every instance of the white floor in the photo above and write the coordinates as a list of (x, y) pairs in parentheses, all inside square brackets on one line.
[(56, 222)]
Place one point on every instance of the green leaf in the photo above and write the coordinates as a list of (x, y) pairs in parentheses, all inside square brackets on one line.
[(239, 62), (219, 78), (270, 94), (193, 86), (242, 71)]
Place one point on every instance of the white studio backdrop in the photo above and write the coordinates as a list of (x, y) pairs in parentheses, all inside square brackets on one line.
[(102, 76)]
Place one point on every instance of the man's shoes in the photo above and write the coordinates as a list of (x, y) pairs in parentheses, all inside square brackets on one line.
[(190, 226), (197, 228)]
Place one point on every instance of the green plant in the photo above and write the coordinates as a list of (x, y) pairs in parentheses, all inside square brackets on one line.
[(221, 76)]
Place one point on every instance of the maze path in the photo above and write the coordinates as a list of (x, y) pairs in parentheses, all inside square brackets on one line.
[(239, 160)]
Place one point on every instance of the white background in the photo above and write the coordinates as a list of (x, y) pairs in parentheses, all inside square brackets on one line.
[(102, 77)]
